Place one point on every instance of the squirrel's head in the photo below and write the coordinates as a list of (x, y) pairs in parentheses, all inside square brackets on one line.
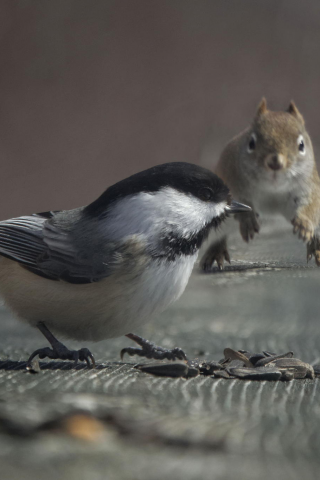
[(277, 144)]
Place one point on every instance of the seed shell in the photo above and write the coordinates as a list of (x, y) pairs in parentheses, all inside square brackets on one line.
[(271, 374)]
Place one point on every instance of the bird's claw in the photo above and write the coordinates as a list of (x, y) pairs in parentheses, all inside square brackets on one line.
[(63, 353), (150, 350)]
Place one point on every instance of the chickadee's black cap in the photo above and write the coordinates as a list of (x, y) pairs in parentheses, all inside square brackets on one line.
[(184, 177)]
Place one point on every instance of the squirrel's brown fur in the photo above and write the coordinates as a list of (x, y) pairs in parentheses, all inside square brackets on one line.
[(270, 166)]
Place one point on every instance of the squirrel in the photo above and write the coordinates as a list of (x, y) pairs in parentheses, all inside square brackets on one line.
[(271, 167)]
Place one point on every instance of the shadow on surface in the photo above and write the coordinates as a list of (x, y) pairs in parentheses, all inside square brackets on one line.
[(263, 267), (15, 365)]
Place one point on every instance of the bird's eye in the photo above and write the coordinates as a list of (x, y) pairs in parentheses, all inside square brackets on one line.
[(252, 143), (301, 146), (206, 194)]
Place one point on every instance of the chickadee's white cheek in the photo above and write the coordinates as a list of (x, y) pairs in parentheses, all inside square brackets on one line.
[(217, 209), (148, 213)]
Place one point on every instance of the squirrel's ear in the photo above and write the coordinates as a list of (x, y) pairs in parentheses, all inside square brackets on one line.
[(293, 110), (262, 107)]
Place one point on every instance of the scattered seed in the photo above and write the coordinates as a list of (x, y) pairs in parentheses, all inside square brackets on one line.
[(271, 358), (173, 370), (256, 373), (234, 355), (255, 357), (238, 364), (221, 374), (298, 368), (287, 376)]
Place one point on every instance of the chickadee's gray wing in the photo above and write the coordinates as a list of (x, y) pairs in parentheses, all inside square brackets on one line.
[(21, 239), (54, 250)]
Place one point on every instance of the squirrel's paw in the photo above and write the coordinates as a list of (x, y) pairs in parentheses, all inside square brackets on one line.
[(217, 252), (303, 227), (249, 225), (313, 250)]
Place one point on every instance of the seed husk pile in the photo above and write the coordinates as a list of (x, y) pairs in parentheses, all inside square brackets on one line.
[(238, 364)]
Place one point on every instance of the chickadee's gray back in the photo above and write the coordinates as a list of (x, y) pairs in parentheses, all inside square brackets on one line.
[(165, 212)]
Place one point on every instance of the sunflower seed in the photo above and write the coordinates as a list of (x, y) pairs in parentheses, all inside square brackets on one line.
[(261, 373)]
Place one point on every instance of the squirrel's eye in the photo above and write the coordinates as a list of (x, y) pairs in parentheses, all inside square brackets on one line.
[(252, 143), (206, 194), (301, 146)]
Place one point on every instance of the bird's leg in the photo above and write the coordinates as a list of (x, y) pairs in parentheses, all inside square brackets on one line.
[(150, 350), (60, 351)]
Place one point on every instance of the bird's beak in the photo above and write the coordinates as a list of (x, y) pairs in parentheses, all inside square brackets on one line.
[(237, 207)]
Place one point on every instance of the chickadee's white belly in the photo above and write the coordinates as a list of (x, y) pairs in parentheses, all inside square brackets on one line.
[(109, 308)]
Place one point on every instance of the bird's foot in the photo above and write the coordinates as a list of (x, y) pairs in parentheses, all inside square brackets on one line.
[(61, 352), (150, 350)]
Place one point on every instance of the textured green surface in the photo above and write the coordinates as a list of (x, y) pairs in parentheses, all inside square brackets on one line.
[(182, 429)]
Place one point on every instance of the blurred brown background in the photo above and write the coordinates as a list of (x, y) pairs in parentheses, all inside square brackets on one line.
[(92, 91)]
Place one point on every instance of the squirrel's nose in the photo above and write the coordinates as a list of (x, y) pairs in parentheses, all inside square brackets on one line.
[(275, 162)]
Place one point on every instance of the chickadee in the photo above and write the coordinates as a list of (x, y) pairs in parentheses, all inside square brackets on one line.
[(97, 271)]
